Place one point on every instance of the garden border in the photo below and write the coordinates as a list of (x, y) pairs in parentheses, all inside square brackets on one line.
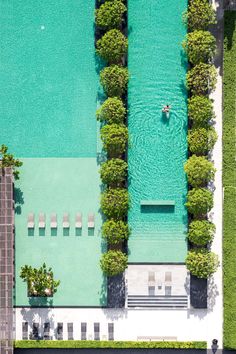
[(229, 181), (108, 344)]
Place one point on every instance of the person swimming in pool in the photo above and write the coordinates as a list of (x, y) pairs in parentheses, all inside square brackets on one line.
[(166, 109)]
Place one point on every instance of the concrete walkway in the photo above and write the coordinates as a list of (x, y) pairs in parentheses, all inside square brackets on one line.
[(215, 318)]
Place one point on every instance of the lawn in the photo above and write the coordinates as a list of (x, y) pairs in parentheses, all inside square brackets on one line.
[(229, 180)]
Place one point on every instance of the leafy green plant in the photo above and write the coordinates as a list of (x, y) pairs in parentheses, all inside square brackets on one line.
[(114, 138), (114, 80), (202, 263), (201, 140), (115, 231), (200, 110), (200, 46), (200, 15), (201, 79), (107, 344), (199, 170), (113, 172), (110, 14), (40, 281), (115, 203), (113, 262), (199, 201), (8, 160), (112, 111), (201, 232), (112, 46)]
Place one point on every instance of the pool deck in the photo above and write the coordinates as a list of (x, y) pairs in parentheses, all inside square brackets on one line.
[(60, 186)]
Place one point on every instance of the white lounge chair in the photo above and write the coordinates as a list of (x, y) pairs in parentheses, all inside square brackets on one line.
[(65, 223), (30, 222), (41, 221), (168, 278), (90, 221), (53, 222), (78, 221)]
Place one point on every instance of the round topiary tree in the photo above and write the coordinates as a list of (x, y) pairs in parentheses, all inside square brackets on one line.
[(201, 140), (112, 111), (113, 172), (202, 263), (115, 203), (114, 138), (200, 110), (199, 201), (200, 15), (200, 46), (112, 46), (114, 80), (113, 263), (201, 79), (199, 170), (115, 231), (201, 232), (110, 14)]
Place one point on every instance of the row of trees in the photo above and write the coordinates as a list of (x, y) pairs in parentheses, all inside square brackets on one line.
[(112, 48), (200, 47)]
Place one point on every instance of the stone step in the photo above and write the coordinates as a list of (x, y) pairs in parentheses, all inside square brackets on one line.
[(174, 301)]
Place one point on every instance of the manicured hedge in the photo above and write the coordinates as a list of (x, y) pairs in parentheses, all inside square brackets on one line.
[(106, 344), (112, 47), (200, 46), (229, 181)]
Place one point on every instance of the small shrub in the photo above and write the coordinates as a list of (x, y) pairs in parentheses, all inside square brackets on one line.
[(110, 14), (200, 15), (112, 111), (113, 262), (201, 232), (200, 110), (201, 79), (115, 203), (114, 138), (202, 263), (199, 201), (115, 231), (112, 46), (201, 140), (114, 80), (8, 160), (200, 46), (40, 281), (199, 170), (113, 172)]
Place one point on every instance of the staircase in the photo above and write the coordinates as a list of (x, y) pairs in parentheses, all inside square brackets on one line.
[(165, 302)]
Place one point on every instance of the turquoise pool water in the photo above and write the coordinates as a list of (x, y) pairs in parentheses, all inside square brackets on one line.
[(48, 78), (158, 147), (49, 86)]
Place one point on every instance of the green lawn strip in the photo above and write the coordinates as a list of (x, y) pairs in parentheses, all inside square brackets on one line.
[(106, 344), (229, 91), (229, 180), (229, 265)]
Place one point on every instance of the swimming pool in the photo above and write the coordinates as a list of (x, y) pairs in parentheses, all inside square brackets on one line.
[(157, 147), (49, 78), (49, 98)]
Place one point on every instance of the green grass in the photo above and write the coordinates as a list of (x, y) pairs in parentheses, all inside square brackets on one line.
[(106, 344), (229, 180)]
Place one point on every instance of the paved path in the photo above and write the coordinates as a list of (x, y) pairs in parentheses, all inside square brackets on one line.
[(215, 318)]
